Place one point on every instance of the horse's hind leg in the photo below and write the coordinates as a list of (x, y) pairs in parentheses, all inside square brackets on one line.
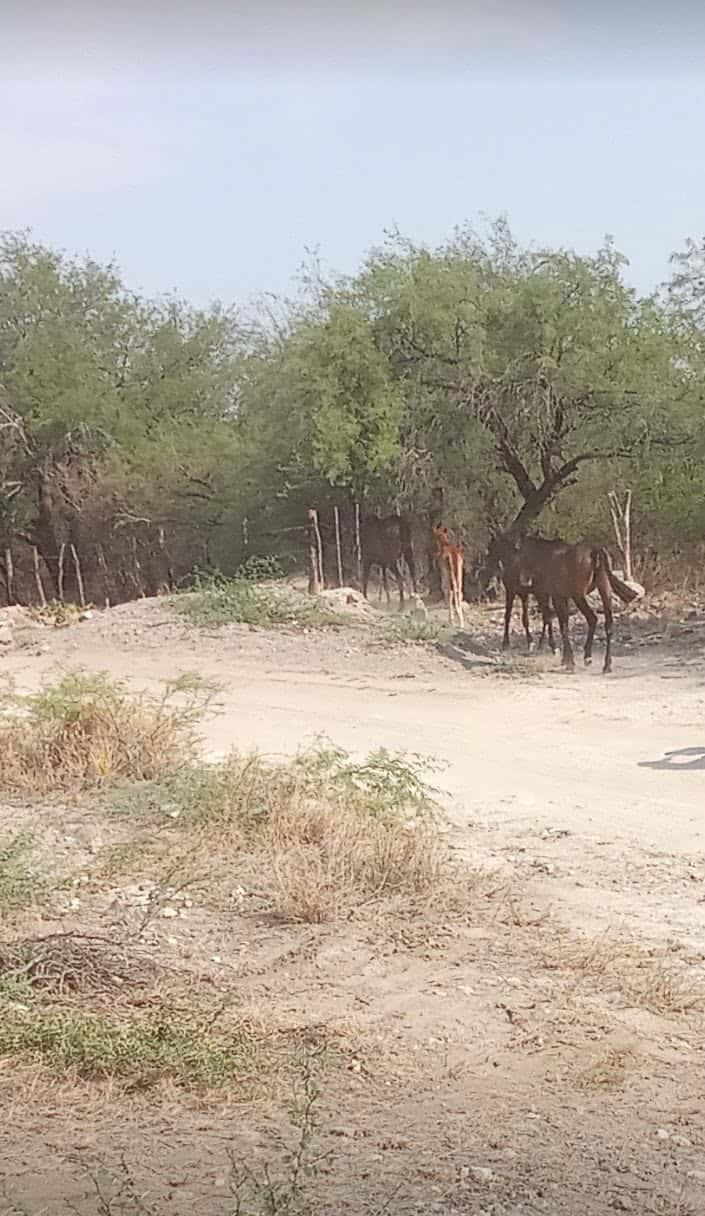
[(385, 581), (525, 621), (549, 620), (561, 607), (591, 618), (508, 605), (459, 603), (606, 597), (400, 583), (546, 625)]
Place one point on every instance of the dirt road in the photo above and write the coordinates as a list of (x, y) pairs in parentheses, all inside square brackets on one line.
[(525, 756)]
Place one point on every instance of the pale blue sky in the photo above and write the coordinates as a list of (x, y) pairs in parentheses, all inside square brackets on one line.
[(205, 145)]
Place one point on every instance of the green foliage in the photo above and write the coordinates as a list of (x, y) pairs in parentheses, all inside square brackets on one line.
[(250, 791), (259, 569), (19, 884), (94, 1046), (407, 629), (159, 438)]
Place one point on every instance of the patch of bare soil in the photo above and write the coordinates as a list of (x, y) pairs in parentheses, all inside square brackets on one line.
[(533, 1044)]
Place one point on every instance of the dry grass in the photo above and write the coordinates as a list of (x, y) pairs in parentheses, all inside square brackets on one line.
[(92, 1007), (332, 862), (658, 979), (314, 838), (69, 962), (88, 730)]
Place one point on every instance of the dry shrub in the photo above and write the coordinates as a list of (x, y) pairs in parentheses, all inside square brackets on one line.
[(70, 962), (89, 730), (317, 836), (656, 979), (324, 864)]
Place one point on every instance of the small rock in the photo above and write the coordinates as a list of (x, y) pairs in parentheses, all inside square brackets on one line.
[(482, 1173), (662, 1134), (5, 634), (169, 913), (681, 1141), (74, 904)]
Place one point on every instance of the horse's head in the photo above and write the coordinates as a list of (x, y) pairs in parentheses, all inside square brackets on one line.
[(502, 546)]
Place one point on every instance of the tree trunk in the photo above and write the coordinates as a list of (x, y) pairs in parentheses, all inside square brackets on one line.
[(9, 576), (622, 524)]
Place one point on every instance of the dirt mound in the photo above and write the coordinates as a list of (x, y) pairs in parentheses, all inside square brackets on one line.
[(347, 600)]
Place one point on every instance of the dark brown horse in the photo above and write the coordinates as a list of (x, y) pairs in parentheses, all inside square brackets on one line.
[(385, 541), (504, 558), (558, 572)]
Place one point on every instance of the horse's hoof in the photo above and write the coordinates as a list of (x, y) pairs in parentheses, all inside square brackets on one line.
[(587, 660)]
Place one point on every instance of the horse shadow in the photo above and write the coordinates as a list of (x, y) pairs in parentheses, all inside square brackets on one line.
[(670, 760)]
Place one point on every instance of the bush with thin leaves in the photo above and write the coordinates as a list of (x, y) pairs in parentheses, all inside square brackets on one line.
[(243, 602), (323, 833), (87, 730)]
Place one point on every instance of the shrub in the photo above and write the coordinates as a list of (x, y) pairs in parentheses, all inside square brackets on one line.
[(87, 730)]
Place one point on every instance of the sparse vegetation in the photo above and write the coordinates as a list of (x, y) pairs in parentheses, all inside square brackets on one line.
[(94, 1046), (19, 884), (408, 629), (320, 833), (244, 602), (87, 730)]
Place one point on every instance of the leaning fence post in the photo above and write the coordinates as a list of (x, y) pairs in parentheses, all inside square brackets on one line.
[(315, 552), (38, 577)]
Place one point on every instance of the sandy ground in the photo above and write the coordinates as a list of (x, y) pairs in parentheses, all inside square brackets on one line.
[(617, 761), (513, 1091)]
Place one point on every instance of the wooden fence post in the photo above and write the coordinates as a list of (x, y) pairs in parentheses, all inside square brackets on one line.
[(60, 573), (38, 577), (79, 576), (338, 549), (315, 583), (358, 545)]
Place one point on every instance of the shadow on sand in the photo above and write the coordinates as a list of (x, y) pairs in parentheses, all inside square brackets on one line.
[(676, 761)]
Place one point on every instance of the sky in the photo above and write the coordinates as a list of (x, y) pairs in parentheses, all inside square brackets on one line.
[(206, 146)]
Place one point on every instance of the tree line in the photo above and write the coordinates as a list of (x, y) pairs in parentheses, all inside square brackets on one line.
[(483, 381)]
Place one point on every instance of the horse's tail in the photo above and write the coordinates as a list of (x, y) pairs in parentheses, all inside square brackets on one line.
[(602, 564)]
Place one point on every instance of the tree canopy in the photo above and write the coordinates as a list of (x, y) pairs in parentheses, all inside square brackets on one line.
[(481, 379)]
